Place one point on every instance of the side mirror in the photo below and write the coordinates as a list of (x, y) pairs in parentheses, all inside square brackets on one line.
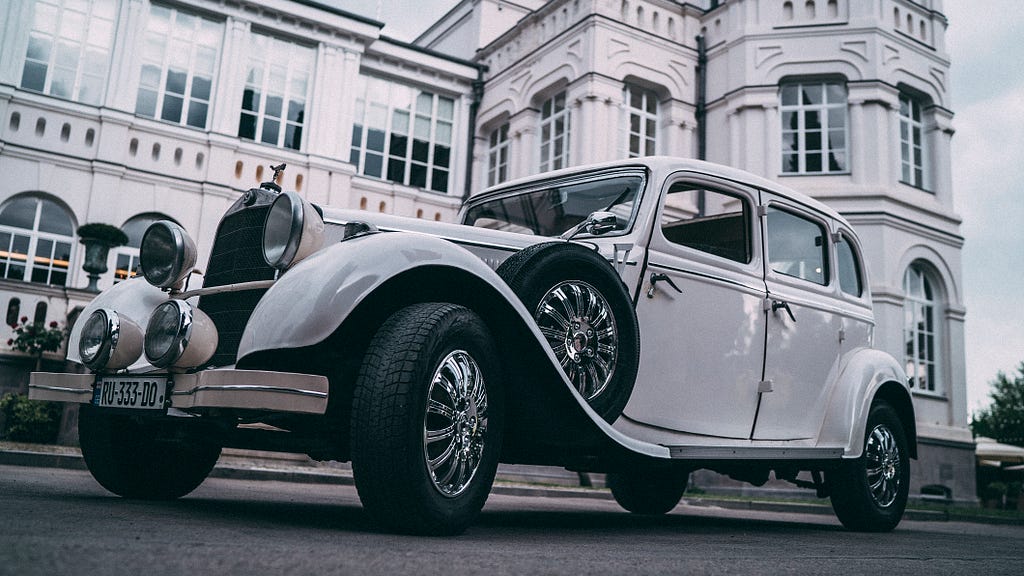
[(599, 223), (596, 224)]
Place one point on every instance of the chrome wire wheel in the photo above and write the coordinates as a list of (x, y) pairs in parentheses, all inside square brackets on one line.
[(579, 326), (455, 423), (883, 466)]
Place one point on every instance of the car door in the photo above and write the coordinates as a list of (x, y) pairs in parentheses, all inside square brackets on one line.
[(700, 312), (803, 321)]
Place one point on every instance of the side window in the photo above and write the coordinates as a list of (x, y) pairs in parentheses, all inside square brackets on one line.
[(707, 220), (796, 246), (849, 268)]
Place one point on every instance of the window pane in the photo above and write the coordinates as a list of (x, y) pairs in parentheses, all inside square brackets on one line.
[(796, 246), (251, 100), (720, 229), (33, 77), (197, 114), (53, 219), (849, 268), (271, 129), (201, 88), (145, 102), (172, 108)]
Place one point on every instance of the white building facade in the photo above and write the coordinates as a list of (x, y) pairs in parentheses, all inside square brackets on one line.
[(142, 109)]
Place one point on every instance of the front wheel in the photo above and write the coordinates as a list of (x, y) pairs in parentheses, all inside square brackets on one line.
[(147, 458), (427, 420), (870, 493), (647, 492)]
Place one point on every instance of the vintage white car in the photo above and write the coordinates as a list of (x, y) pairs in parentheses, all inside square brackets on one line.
[(644, 318)]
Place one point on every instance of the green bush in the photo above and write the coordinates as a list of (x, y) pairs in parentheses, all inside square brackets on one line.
[(30, 420)]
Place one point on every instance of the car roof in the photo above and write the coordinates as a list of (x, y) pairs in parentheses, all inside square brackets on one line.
[(663, 165)]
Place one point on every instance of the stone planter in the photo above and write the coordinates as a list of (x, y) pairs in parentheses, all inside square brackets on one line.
[(98, 240)]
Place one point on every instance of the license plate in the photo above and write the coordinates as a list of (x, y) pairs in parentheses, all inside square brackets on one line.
[(136, 392)]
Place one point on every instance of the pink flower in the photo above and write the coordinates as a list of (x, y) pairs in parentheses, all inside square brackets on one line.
[(53, 324)]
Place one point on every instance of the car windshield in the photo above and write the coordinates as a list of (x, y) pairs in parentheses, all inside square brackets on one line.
[(552, 210)]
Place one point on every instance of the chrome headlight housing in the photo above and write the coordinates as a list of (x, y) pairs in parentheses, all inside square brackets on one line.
[(179, 336), (292, 231), (167, 254), (109, 341)]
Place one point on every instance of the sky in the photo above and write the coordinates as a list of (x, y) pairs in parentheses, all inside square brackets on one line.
[(987, 97)]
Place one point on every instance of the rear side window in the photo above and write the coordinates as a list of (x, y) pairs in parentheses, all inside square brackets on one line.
[(849, 268), (796, 246), (707, 220)]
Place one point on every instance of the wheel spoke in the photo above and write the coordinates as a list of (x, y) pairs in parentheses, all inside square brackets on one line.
[(435, 407), (436, 435)]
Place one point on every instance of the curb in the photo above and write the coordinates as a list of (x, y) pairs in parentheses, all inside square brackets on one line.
[(71, 459)]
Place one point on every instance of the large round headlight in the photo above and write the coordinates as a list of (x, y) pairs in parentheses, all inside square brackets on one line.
[(167, 254), (109, 341), (292, 231), (179, 336)]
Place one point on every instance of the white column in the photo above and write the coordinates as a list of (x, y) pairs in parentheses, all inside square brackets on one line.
[(522, 153), (234, 66), (857, 144), (17, 21), (123, 79), (772, 161), (333, 103), (939, 139)]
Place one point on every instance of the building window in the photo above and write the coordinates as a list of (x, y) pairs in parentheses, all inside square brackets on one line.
[(403, 134), (276, 91), (912, 146), (179, 55), (920, 330), (126, 258), (814, 128), (497, 156), (642, 106), (69, 48), (35, 241), (554, 133)]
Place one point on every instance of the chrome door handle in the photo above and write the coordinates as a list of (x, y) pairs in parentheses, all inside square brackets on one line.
[(776, 304), (658, 277)]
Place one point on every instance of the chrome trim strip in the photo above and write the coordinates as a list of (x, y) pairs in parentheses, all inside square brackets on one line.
[(61, 389), (249, 388), (752, 453), (238, 287)]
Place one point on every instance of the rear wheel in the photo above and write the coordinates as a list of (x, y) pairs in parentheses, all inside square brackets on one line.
[(869, 494), (147, 458), (647, 492), (427, 420)]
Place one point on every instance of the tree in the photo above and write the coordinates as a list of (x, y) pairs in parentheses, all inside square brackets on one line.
[(1003, 420), (33, 338)]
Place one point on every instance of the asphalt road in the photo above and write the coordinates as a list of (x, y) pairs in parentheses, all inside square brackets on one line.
[(55, 521)]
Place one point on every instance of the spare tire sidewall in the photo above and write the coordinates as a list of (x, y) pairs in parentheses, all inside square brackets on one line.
[(537, 269)]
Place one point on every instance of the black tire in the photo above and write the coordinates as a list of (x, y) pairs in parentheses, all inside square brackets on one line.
[(145, 458), (541, 270), (652, 492), (869, 494), (405, 481)]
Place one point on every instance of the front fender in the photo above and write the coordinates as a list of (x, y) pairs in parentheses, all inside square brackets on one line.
[(865, 372), (312, 300)]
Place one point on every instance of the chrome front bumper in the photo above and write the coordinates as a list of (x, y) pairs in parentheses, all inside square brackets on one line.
[(242, 389)]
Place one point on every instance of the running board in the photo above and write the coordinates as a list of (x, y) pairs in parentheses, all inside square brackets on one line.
[(752, 453)]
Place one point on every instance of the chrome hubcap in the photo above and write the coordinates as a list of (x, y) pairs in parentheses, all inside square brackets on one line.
[(882, 458), (577, 322), (455, 423)]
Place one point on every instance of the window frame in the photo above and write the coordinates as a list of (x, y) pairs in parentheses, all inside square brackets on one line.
[(406, 160), (554, 112), (645, 120), (58, 37), (165, 65), (911, 146), (297, 59), (498, 147), (824, 130), (35, 236), (912, 336)]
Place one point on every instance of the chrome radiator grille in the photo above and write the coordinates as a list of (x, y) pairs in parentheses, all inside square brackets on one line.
[(237, 256)]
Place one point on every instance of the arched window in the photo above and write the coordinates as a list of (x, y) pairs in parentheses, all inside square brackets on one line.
[(921, 329), (127, 256), (36, 236)]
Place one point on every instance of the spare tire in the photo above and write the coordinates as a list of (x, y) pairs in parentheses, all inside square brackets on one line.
[(585, 314)]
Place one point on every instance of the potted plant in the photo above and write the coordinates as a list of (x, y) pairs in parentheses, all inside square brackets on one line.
[(34, 338), (98, 240)]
